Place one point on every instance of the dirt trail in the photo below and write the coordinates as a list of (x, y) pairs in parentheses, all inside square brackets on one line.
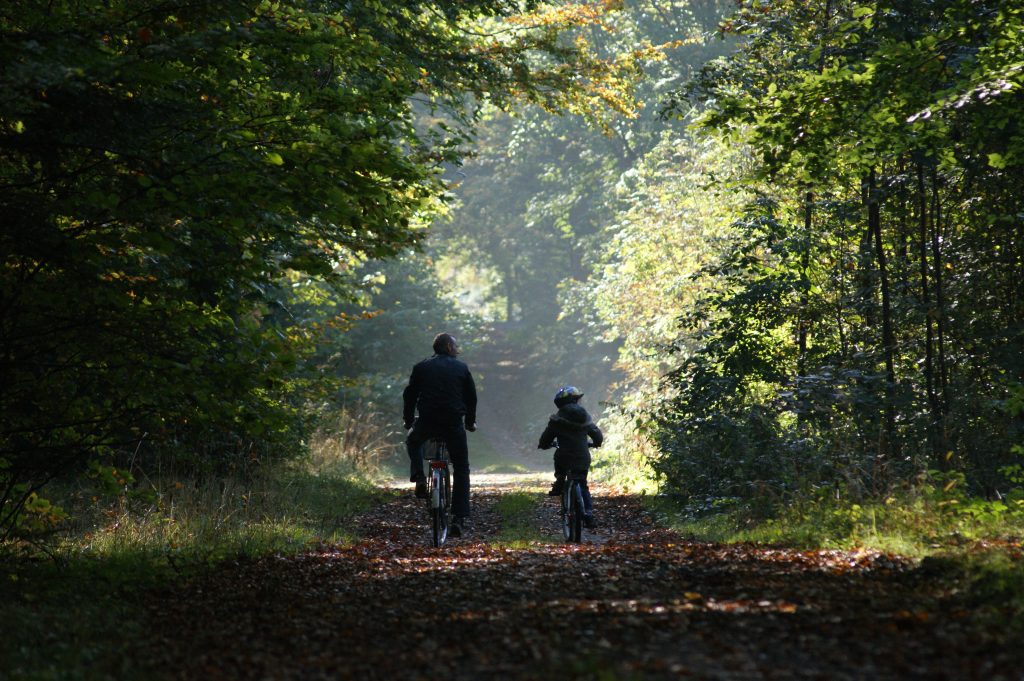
[(502, 380), (633, 602)]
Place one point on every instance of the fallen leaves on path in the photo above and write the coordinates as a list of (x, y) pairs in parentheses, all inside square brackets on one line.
[(634, 602)]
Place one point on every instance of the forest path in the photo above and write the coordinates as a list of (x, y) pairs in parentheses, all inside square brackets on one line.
[(632, 602), (510, 419)]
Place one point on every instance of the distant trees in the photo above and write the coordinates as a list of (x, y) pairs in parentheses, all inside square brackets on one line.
[(545, 200), (537, 200)]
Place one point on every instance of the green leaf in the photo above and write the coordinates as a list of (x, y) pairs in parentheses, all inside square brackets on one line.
[(997, 161)]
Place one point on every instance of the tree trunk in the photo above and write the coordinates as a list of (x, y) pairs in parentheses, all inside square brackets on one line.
[(926, 304), (510, 290), (890, 446), (841, 256), (804, 322), (940, 314)]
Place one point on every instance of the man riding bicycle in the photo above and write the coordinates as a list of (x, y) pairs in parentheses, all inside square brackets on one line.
[(442, 391)]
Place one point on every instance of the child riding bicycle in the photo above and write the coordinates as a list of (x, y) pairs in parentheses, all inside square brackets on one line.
[(569, 430)]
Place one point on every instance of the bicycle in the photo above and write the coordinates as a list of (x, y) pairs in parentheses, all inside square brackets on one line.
[(572, 507), (439, 491)]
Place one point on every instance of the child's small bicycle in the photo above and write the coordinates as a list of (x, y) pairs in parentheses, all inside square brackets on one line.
[(439, 491), (572, 507)]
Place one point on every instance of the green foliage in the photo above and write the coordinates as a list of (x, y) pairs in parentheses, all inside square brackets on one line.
[(406, 306), (537, 199), (721, 434), (863, 326), (38, 515)]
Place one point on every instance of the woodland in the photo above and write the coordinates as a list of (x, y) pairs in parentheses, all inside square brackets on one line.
[(778, 243)]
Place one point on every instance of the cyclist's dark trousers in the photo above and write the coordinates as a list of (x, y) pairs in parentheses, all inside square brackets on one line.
[(565, 463), (454, 435)]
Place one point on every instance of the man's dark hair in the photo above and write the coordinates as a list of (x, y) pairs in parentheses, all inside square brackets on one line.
[(443, 342)]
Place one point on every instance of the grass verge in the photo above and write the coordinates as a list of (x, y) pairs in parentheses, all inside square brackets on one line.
[(971, 549), (520, 513), (72, 609), (915, 526), (985, 580)]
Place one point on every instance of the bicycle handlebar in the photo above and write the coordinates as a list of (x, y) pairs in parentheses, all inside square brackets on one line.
[(554, 443)]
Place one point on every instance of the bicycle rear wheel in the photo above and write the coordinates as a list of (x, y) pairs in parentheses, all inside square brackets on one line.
[(576, 513), (438, 507), (566, 518), (446, 500), (572, 512)]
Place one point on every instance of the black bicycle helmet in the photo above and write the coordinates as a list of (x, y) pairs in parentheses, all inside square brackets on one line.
[(567, 394)]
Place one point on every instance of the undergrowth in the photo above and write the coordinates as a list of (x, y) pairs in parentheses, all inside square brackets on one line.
[(914, 523), (192, 521)]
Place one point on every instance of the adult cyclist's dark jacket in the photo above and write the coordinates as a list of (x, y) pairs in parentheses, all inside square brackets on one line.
[(571, 426), (441, 389)]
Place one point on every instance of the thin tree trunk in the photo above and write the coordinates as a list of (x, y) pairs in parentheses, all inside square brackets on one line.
[(1016, 267), (805, 294), (903, 242), (841, 294), (926, 303), (509, 294), (890, 446), (940, 311)]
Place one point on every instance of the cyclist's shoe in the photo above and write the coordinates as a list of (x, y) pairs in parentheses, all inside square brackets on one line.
[(588, 521), (421, 488), (457, 527), (557, 488)]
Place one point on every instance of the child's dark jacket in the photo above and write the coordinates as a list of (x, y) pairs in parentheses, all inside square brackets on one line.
[(571, 426)]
